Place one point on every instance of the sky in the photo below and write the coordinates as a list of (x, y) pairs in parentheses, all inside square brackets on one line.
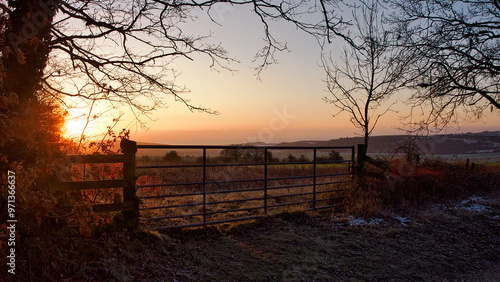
[(283, 104)]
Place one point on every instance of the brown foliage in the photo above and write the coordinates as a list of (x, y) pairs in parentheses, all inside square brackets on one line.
[(404, 185)]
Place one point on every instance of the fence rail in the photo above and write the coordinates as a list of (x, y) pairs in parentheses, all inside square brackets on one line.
[(129, 206), (265, 189)]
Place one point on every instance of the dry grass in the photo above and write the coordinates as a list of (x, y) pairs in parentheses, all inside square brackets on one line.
[(234, 196)]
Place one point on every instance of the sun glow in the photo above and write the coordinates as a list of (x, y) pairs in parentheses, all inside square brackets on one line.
[(88, 119), (92, 123), (76, 127)]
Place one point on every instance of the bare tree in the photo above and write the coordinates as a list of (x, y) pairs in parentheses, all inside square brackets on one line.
[(121, 51), (232, 155), (457, 49), (370, 74)]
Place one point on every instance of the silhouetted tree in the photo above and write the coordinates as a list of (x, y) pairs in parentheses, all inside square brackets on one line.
[(303, 159), (290, 159), (270, 158), (335, 156), (232, 155), (120, 51), (370, 73), (456, 45), (172, 157), (254, 155)]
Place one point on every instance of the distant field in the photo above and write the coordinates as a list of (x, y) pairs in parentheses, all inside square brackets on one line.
[(493, 157), (478, 158), (277, 153), (236, 191)]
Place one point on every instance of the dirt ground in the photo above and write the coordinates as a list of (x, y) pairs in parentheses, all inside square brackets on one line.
[(455, 240), (448, 240), (489, 273)]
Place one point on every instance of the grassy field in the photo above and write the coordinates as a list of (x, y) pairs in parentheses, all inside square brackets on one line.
[(239, 188)]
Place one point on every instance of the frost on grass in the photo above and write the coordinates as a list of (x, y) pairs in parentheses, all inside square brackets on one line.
[(403, 220), (361, 221), (475, 207), (473, 204)]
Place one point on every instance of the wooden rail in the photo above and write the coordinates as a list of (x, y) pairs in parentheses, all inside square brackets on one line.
[(130, 205)]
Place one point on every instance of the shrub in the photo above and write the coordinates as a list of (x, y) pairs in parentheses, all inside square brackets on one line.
[(403, 185), (172, 157)]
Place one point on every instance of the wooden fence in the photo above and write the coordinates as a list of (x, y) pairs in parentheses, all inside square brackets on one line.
[(130, 204)]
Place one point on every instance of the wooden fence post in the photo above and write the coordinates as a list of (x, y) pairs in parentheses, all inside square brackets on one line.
[(361, 154), (360, 164), (314, 177), (131, 217), (266, 163)]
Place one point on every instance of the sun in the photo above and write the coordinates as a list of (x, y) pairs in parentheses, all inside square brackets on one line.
[(91, 121), (75, 127), (81, 121)]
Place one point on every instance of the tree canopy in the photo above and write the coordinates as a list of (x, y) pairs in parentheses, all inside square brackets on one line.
[(121, 51), (456, 45), (369, 73)]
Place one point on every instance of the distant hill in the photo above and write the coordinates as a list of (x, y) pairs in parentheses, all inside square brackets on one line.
[(484, 145), (445, 144)]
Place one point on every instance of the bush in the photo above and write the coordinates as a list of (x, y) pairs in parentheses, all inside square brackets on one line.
[(405, 185), (335, 156), (172, 157)]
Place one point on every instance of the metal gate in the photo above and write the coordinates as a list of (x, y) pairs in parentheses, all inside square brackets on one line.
[(204, 185)]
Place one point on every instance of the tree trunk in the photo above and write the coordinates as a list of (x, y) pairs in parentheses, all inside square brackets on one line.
[(27, 35)]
